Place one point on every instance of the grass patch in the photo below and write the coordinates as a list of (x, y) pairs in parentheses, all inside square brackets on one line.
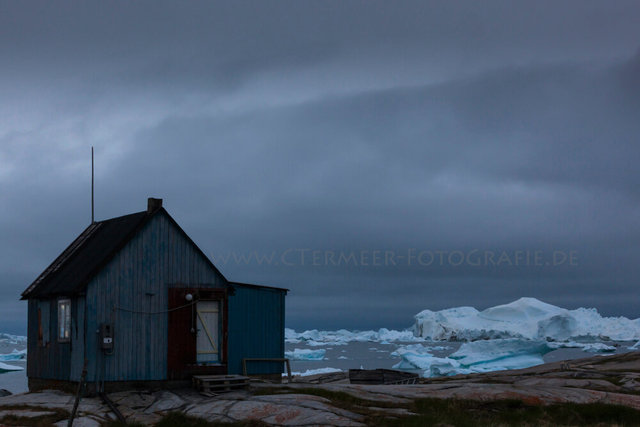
[(470, 413), (178, 419), (459, 413), (57, 414)]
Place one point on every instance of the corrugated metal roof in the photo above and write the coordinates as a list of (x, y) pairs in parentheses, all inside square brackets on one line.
[(85, 256)]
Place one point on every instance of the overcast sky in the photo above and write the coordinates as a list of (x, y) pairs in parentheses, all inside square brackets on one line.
[(386, 157)]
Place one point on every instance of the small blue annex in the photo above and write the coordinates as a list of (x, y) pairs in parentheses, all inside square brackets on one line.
[(135, 301)]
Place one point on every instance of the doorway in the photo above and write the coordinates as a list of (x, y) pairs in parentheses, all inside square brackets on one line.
[(208, 332)]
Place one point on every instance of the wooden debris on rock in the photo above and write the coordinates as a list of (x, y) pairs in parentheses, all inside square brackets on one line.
[(381, 376)]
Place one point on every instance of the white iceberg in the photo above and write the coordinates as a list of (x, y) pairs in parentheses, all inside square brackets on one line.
[(473, 357), (481, 352), (315, 337), (591, 347), (526, 318), (12, 339), (416, 349), (389, 335), (415, 356), (291, 336), (439, 347), (6, 368), (315, 372), (14, 355), (305, 354)]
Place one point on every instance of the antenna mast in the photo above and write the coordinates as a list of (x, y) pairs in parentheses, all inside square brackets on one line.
[(92, 217)]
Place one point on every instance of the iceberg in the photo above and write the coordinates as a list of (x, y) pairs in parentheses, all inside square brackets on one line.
[(14, 355), (474, 357), (315, 372), (440, 347), (305, 354), (591, 347), (12, 339), (291, 336), (415, 356), (386, 335), (592, 324), (446, 325), (415, 349), (481, 352), (558, 327), (6, 368), (526, 318), (315, 337)]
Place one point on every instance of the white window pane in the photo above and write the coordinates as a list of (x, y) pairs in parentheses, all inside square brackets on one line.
[(64, 319)]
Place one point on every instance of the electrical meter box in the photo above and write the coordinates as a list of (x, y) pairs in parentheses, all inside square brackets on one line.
[(106, 336)]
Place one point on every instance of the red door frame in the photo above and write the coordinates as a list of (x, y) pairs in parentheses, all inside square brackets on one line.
[(181, 351)]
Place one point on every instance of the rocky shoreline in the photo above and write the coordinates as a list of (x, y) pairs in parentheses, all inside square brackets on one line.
[(601, 379)]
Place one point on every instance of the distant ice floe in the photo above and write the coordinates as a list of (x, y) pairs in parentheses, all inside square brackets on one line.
[(12, 339), (305, 354), (14, 355), (315, 372), (315, 337), (591, 347), (6, 368), (526, 318)]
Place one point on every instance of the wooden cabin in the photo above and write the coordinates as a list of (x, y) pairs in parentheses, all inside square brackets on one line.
[(139, 303)]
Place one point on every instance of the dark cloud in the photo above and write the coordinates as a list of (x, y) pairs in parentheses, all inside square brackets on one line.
[(339, 128)]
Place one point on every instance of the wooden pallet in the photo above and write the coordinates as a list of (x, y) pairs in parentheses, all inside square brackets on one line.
[(219, 383)]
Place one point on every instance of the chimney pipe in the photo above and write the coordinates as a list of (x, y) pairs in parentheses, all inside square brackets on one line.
[(153, 204)]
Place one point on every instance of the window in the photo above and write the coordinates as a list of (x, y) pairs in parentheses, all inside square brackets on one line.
[(64, 320)]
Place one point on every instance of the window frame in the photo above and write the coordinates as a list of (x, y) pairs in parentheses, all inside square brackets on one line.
[(64, 320)]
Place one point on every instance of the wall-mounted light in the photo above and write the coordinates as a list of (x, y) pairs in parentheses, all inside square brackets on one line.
[(188, 297)]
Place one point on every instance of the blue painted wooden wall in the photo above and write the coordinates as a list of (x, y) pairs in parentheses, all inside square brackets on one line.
[(159, 256), (256, 328), (49, 358), (137, 279)]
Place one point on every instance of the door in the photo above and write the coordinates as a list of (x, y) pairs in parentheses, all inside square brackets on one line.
[(208, 332), (183, 359)]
